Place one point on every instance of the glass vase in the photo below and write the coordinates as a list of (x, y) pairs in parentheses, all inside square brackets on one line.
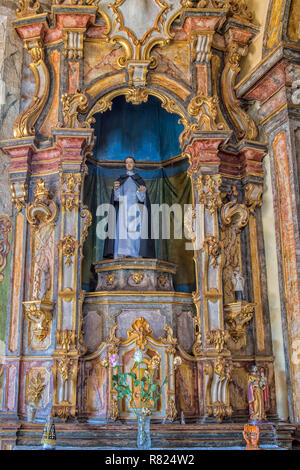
[(143, 431)]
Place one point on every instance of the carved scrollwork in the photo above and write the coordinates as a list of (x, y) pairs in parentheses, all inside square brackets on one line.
[(218, 338), (205, 108), (39, 314), (246, 128), (28, 8), (112, 342), (234, 218), (73, 105), (25, 122), (209, 191), (66, 339), (63, 410), (140, 329), (169, 339), (197, 346), (214, 249), (233, 213), (205, 3), (237, 316), (70, 185), (43, 209), (253, 196), (138, 95), (239, 10), (69, 247), (64, 367), (5, 228), (19, 194)]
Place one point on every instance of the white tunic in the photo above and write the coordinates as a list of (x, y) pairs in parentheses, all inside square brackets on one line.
[(128, 227)]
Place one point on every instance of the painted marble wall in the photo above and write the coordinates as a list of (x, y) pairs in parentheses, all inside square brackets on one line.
[(11, 58)]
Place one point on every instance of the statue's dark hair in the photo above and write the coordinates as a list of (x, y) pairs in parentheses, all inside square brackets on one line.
[(129, 156)]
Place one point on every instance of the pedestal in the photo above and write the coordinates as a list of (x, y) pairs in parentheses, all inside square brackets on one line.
[(138, 274)]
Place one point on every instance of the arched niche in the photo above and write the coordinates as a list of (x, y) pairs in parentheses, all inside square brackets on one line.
[(151, 134)]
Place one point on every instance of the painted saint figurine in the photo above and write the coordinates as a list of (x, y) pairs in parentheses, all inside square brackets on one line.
[(132, 234), (49, 436), (258, 395), (238, 283), (251, 436)]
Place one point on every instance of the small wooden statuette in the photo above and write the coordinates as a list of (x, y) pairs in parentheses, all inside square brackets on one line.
[(251, 436), (258, 395)]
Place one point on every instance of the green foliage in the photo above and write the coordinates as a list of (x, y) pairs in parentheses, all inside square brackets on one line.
[(149, 390)]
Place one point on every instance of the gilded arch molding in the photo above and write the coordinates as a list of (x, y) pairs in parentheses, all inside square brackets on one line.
[(138, 95)]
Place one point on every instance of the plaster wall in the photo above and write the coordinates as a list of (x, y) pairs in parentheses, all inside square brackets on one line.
[(260, 10)]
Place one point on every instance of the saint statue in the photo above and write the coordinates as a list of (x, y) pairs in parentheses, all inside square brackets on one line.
[(132, 234), (238, 282), (258, 395)]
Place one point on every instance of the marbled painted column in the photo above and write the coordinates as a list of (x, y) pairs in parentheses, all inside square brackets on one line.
[(275, 88), (20, 153), (74, 222), (200, 30), (253, 195), (72, 30), (210, 334)]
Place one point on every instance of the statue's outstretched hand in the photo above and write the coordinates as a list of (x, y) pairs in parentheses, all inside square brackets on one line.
[(142, 189)]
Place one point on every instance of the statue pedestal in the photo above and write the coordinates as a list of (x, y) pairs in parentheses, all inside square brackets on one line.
[(130, 288), (134, 274)]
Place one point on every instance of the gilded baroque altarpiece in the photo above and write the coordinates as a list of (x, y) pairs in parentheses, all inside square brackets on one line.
[(187, 54)]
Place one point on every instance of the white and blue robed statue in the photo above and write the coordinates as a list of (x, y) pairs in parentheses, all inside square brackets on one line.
[(131, 237)]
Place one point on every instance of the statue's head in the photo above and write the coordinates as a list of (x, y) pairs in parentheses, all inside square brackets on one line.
[(129, 163)]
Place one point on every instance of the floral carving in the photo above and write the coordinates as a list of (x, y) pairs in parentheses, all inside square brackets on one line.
[(35, 389), (5, 228), (140, 329)]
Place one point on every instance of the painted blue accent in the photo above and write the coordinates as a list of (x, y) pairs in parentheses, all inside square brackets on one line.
[(147, 132), (145, 174)]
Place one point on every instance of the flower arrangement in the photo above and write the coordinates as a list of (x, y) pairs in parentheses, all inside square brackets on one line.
[(146, 390)]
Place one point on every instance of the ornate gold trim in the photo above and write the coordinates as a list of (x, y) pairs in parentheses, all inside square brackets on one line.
[(39, 314), (246, 128), (69, 246), (19, 194), (73, 105), (136, 96), (43, 209), (25, 122), (237, 316), (209, 193), (28, 8), (5, 228)]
